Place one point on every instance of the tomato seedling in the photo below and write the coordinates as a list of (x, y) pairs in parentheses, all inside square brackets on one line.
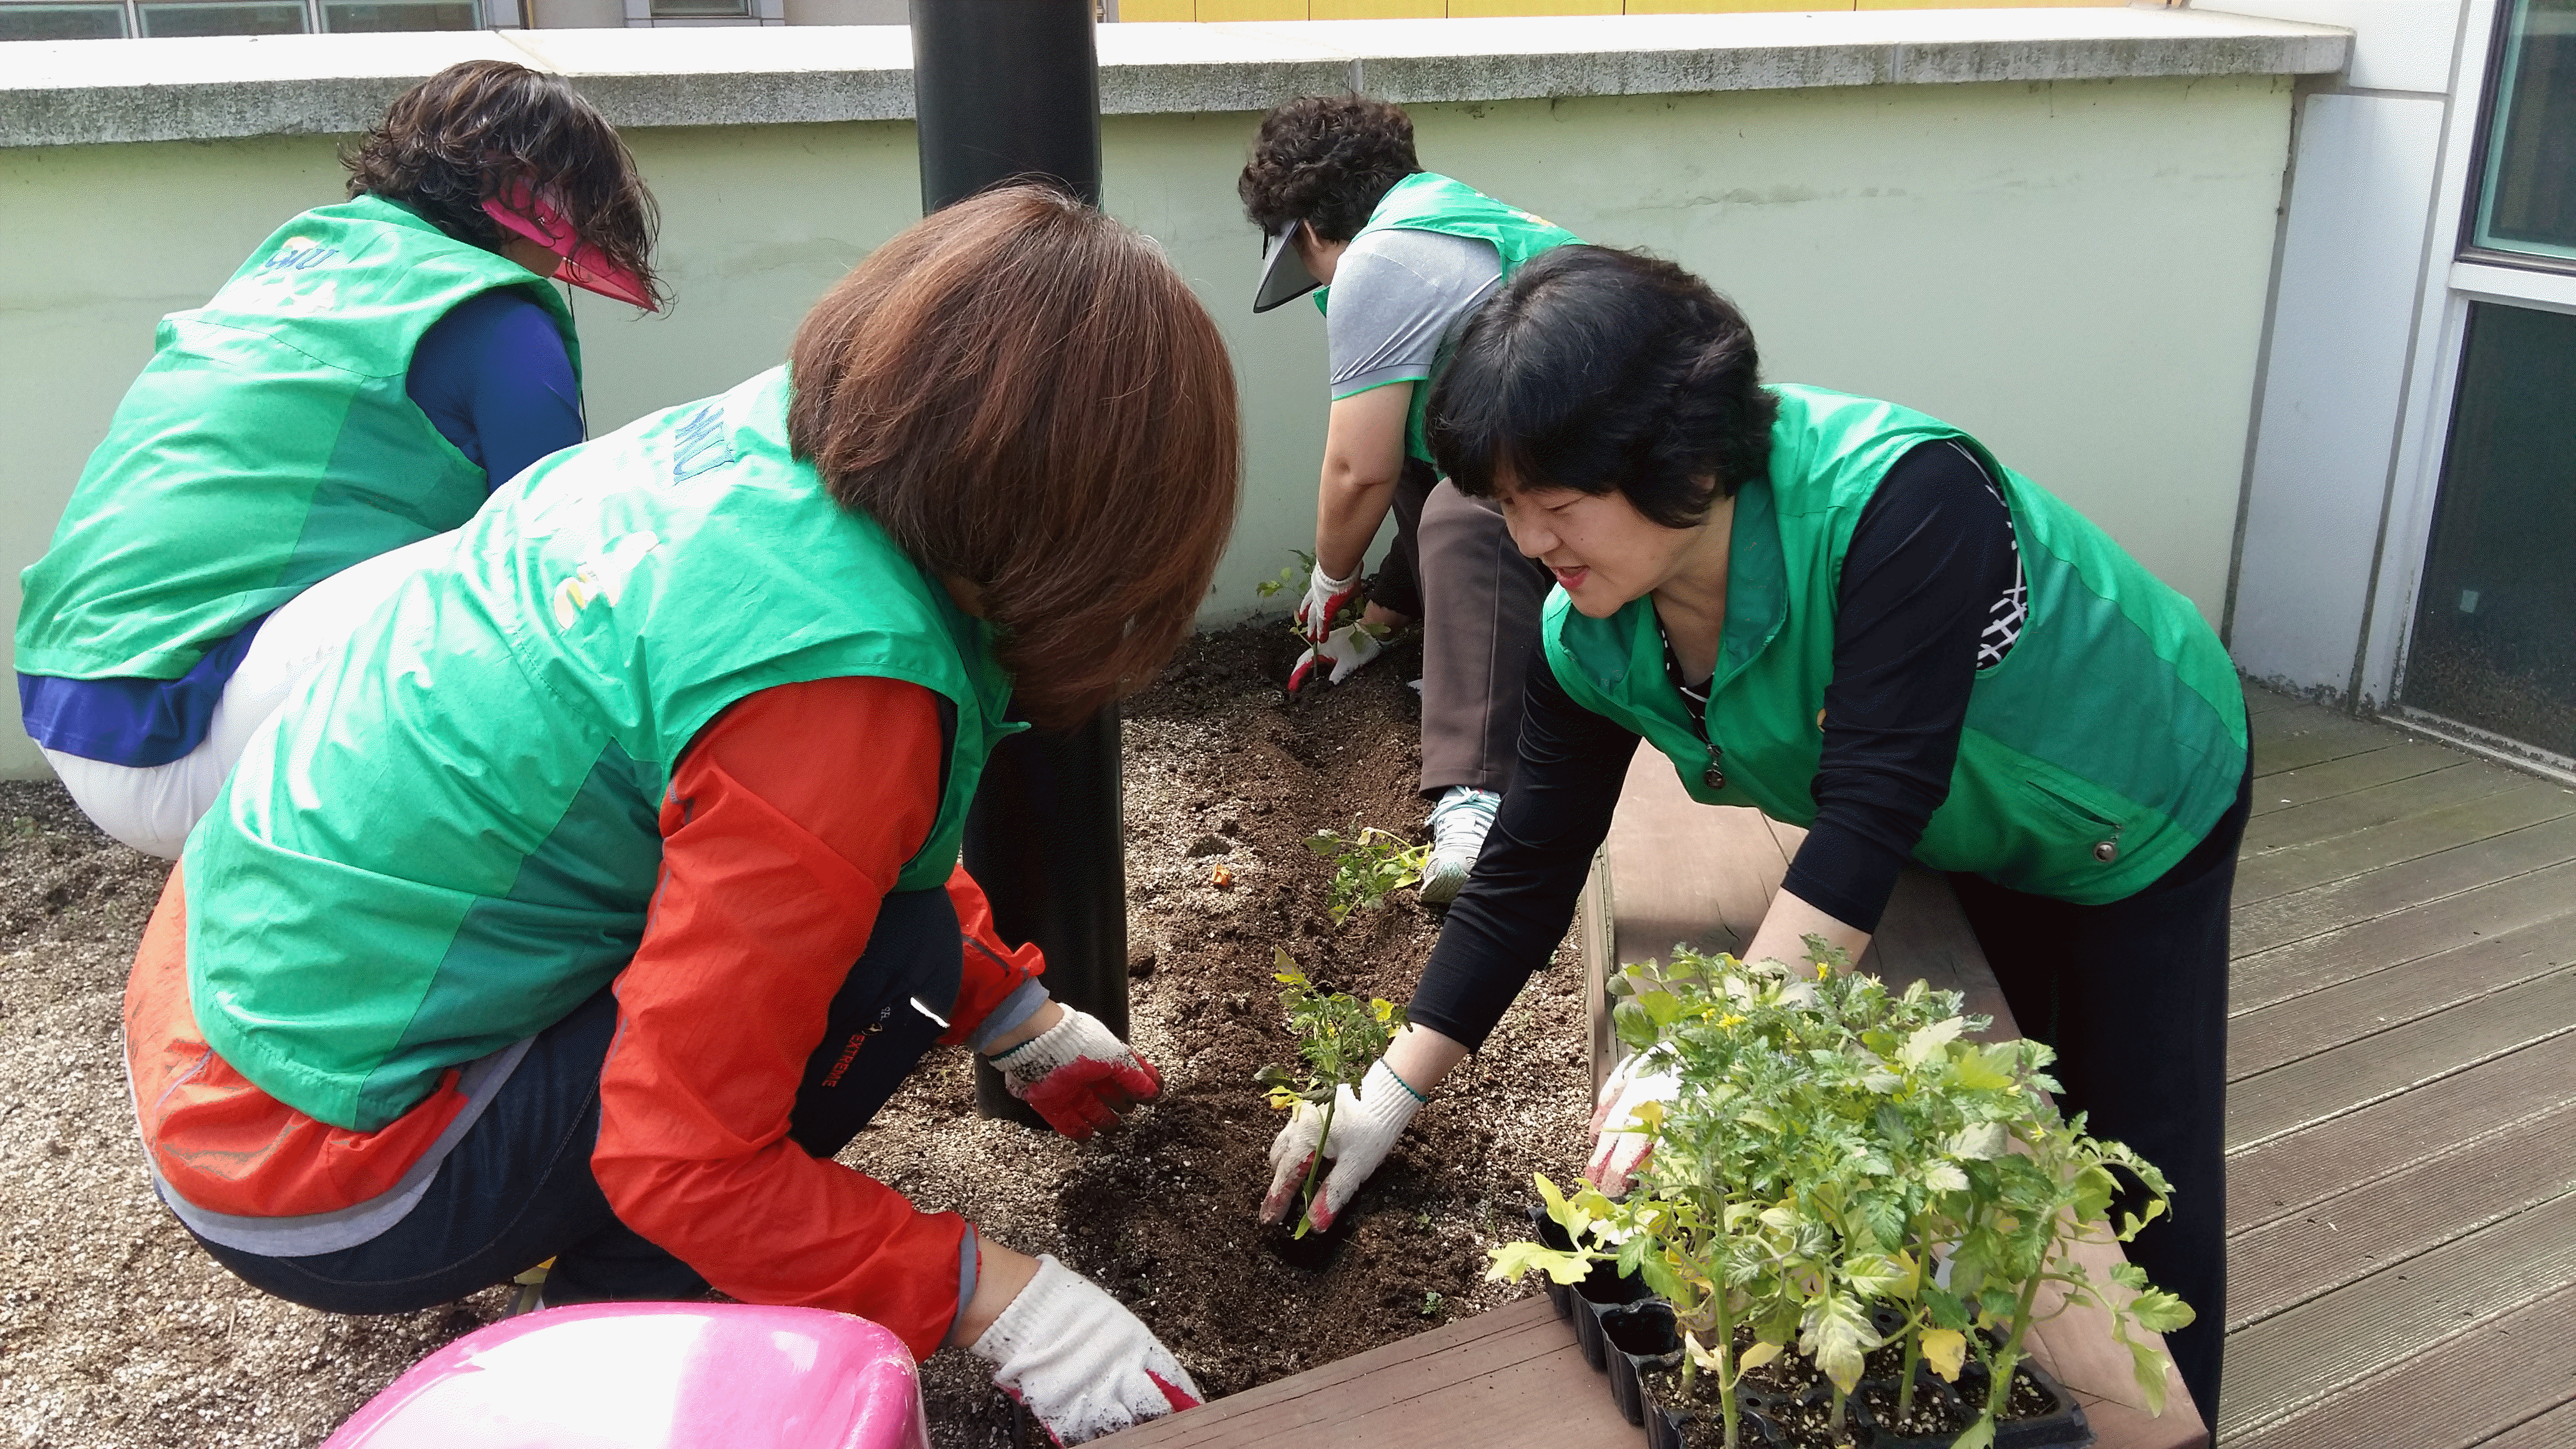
[(1339, 1037)]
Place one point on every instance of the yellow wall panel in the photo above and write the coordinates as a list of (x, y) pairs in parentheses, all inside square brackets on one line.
[(1533, 7), (1729, 7), (1133, 10), (1975, 4), (1243, 10), (1379, 9)]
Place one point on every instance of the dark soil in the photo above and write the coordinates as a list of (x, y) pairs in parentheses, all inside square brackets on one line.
[(118, 1331), (1797, 1398)]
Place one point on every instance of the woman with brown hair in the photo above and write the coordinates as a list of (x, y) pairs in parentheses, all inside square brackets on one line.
[(607, 883), (370, 376)]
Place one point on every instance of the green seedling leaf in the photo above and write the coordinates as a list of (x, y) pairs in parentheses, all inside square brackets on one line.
[(1979, 1435), (1511, 1260), (2148, 1367), (1926, 1042), (2161, 1312)]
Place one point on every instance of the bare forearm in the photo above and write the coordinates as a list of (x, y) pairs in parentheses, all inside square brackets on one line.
[(1788, 924), (1423, 1058), (1349, 506)]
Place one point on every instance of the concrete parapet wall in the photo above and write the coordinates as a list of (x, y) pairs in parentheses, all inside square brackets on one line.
[(2070, 261)]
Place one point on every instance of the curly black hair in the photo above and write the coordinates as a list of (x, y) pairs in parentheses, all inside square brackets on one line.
[(1327, 161), (1603, 370), (464, 135)]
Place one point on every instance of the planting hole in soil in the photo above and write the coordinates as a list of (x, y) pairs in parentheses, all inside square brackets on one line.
[(123, 1334)]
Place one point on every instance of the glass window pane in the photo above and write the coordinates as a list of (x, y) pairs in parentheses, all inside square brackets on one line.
[(2528, 201), (2495, 626), (257, 17), (62, 22), (687, 8), (398, 15)]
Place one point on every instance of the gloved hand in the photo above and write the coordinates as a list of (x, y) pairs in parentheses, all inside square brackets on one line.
[(1365, 1126), (1079, 1360), (1346, 650), (1078, 1074), (1325, 597), (1616, 1155)]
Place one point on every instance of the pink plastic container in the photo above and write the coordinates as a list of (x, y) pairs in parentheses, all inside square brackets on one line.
[(654, 1376)]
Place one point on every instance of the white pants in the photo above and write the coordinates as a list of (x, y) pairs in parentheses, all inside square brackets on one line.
[(153, 807)]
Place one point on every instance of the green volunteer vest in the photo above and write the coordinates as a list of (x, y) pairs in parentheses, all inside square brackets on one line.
[(2095, 756), (451, 839), (1426, 201), (268, 445)]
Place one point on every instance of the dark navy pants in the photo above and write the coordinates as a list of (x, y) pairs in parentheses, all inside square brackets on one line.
[(517, 1189), (2133, 995)]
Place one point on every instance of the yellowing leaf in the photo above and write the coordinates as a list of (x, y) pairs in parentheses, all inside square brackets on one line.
[(1758, 1355), (1926, 1043), (1511, 1260), (1946, 1349)]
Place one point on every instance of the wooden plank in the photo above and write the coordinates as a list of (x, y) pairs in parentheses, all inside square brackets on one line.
[(2392, 888), (2452, 782), (2287, 1174), (2263, 699), (2284, 1032), (1512, 1375), (2333, 1082), (2320, 961), (2299, 1357), (2358, 1231), (2553, 1430), (1696, 874), (2296, 739), (2263, 875), (2398, 760), (2463, 1393)]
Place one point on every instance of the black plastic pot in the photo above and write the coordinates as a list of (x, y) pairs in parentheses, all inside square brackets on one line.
[(1603, 1292), (1640, 1339), (2062, 1428), (1926, 1385), (1668, 1427)]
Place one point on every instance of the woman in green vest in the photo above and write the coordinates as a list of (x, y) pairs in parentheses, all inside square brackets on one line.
[(1408, 255), (370, 376), (606, 883), (1853, 617)]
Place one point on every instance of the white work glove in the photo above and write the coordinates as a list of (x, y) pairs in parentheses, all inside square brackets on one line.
[(1616, 1155), (1078, 1075), (1326, 596), (1346, 650), (1079, 1361), (1365, 1126)]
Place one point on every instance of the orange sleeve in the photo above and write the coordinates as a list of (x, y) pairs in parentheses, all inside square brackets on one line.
[(775, 857)]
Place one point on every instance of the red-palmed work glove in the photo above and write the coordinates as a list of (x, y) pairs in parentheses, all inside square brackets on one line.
[(1326, 597), (1079, 1361), (1617, 1153), (1344, 652), (1365, 1126), (1078, 1074)]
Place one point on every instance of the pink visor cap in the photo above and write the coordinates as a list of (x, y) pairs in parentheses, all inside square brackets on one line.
[(585, 266)]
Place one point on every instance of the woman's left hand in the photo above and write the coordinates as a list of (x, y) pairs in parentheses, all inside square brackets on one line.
[(1617, 1153), (1077, 1074)]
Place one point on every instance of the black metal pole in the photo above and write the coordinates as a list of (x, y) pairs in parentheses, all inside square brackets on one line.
[(1004, 89)]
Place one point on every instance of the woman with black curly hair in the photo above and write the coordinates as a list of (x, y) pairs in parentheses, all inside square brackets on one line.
[(361, 385), (1407, 255)]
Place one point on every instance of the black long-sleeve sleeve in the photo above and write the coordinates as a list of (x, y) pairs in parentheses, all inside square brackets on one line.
[(1929, 561), (1507, 920)]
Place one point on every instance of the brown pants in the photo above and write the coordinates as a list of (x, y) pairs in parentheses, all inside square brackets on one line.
[(1454, 568)]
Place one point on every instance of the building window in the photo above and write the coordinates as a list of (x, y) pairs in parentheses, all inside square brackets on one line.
[(2527, 189), (345, 16), (223, 17), (62, 22), (2494, 644), (700, 9)]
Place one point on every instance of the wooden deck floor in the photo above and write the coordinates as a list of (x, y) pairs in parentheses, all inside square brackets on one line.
[(2402, 1097)]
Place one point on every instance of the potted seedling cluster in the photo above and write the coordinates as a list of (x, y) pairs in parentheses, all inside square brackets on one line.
[(1846, 1225)]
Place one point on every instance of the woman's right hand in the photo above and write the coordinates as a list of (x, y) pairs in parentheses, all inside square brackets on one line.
[(1364, 1128), (1074, 1356)]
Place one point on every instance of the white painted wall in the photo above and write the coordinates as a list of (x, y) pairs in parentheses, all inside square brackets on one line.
[(2343, 328), (2075, 270)]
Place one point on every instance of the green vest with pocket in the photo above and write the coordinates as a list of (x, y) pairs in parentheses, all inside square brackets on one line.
[(451, 837), (2094, 757), (269, 444), (1427, 201)]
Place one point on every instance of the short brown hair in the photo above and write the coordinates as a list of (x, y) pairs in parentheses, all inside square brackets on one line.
[(459, 138), (1023, 393)]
